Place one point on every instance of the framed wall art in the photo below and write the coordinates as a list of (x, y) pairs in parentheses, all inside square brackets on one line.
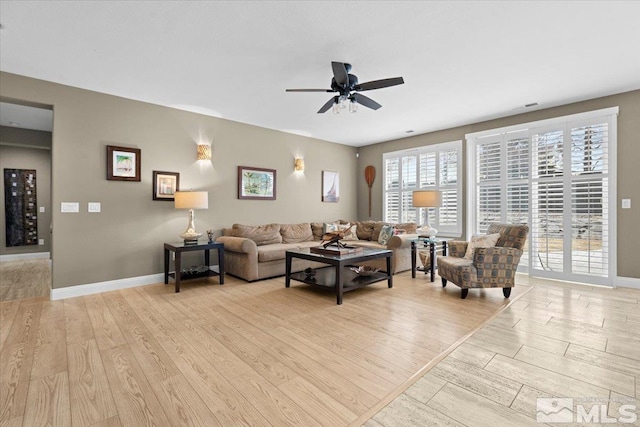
[(256, 183), (330, 186), (123, 163), (165, 185), (21, 207)]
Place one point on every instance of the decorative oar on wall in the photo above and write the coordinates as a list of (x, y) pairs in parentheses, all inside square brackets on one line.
[(369, 176)]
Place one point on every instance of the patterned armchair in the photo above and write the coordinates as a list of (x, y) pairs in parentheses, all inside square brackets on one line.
[(490, 267)]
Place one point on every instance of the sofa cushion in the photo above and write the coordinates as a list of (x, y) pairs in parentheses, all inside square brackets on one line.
[(364, 230), (261, 234), (317, 228), (481, 241), (409, 227), (275, 251), (377, 226), (296, 233)]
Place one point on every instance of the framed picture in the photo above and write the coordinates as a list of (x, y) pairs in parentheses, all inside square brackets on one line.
[(123, 163), (256, 183), (165, 185), (330, 186)]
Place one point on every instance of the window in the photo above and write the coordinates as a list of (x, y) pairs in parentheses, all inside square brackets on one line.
[(554, 176), (433, 167)]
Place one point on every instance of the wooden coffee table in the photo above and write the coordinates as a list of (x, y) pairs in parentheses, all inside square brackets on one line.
[(338, 275)]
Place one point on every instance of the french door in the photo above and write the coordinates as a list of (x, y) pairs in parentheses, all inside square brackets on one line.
[(557, 177)]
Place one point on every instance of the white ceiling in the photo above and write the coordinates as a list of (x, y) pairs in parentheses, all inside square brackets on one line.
[(462, 62)]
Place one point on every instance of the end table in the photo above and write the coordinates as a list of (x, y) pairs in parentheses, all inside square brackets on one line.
[(433, 249), (204, 271)]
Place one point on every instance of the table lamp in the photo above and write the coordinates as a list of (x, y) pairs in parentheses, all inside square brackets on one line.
[(191, 200), (427, 199)]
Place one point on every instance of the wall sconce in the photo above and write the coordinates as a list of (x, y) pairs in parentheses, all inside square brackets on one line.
[(204, 152), (298, 166)]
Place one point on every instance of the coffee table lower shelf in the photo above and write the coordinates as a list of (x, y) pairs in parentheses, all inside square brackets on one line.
[(325, 278)]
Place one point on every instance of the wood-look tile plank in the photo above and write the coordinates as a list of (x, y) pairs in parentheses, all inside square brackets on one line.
[(479, 381), (324, 409), (624, 348), (473, 410), (26, 321), (525, 401), (50, 355), (473, 355), (77, 324), (13, 422), (135, 400), (182, 404), (405, 411), (494, 341), (48, 401), (105, 328), (543, 379), (110, 422), (517, 336), (562, 332), (583, 371), (425, 388), (624, 409), (604, 360), (90, 394)]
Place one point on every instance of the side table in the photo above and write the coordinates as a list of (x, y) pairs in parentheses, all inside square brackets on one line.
[(432, 244), (205, 271)]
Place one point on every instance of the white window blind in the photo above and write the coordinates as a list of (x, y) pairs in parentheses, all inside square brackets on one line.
[(554, 176), (434, 167)]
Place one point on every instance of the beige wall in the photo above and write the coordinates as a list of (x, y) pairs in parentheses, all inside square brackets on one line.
[(125, 240), (628, 172), (14, 156)]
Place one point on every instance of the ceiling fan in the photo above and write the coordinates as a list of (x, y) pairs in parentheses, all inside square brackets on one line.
[(347, 86)]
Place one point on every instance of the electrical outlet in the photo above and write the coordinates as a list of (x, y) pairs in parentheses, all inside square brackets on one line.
[(41, 242), (626, 203), (41, 209)]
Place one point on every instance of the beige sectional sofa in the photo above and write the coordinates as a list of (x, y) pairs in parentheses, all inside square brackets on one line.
[(258, 252)]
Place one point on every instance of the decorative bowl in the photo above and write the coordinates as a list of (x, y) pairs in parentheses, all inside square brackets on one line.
[(365, 271), (309, 272)]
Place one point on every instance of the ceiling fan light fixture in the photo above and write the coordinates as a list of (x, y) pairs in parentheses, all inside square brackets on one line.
[(336, 107), (353, 106)]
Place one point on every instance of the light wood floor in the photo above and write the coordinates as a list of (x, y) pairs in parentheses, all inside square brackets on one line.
[(260, 354), (557, 340), (238, 354), (25, 279)]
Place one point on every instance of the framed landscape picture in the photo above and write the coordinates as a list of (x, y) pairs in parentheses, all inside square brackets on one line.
[(256, 183), (123, 163), (165, 185), (330, 186)]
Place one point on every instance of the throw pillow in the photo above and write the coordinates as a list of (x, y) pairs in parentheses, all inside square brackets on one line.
[(350, 233), (385, 234), (330, 227), (483, 241)]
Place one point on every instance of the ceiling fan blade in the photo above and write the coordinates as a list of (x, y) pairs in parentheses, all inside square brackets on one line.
[(309, 90), (340, 73), (367, 102), (379, 84), (328, 105)]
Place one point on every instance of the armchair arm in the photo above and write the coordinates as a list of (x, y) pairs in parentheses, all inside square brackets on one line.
[(238, 244), (400, 241), (457, 248)]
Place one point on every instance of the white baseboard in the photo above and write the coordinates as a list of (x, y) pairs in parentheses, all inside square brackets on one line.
[(111, 285), (627, 282), (21, 257)]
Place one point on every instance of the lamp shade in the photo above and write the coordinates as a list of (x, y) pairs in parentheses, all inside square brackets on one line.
[(204, 152), (427, 199), (191, 200)]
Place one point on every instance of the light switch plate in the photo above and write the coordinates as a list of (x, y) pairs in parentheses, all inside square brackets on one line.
[(626, 203), (94, 207), (69, 207), (41, 242), (42, 209)]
